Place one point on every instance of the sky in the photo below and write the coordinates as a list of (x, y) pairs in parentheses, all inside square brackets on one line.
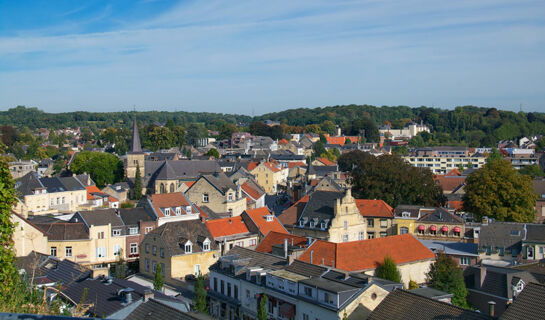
[(254, 57)]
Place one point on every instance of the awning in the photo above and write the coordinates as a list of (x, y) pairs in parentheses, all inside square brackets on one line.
[(456, 229), (444, 229), (421, 228), (433, 228)]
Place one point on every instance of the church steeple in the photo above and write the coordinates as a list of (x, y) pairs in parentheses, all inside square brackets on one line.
[(135, 144)]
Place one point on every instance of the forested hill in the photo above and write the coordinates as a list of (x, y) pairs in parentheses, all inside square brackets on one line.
[(469, 125)]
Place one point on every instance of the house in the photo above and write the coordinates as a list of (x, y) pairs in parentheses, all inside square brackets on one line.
[(261, 221), (181, 247), (217, 192), (27, 237), (429, 223), (500, 243), (413, 259), (170, 207), (319, 172), (268, 175), (409, 131), (255, 194), (228, 232), (528, 305), (497, 284), (379, 216), (441, 160), (539, 190), (291, 215), (331, 216), (465, 254), (295, 291), (22, 167), (138, 222), (287, 246), (153, 308), (119, 190), (97, 198), (50, 195), (401, 304), (323, 162)]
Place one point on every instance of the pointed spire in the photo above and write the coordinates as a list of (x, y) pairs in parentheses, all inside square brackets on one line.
[(135, 144)]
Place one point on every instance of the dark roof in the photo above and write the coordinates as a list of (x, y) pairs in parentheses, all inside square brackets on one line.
[(135, 142), (156, 309), (60, 230), (441, 215), (306, 269), (321, 171), (432, 293), (175, 234), (498, 281), (528, 305), (72, 184), (320, 206), (28, 183), (535, 232), (401, 304), (250, 258), (100, 217), (53, 184), (413, 210), (134, 215), (328, 285), (502, 234), (220, 181), (65, 271), (31, 262)]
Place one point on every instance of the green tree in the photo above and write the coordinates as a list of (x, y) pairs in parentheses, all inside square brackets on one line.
[(213, 153), (445, 275), (499, 191), (494, 155), (137, 190), (388, 270), (158, 281), (533, 171), (262, 308), (119, 267), (318, 149), (104, 168), (413, 285), (200, 296)]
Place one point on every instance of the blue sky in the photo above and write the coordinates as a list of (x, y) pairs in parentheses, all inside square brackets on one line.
[(264, 56)]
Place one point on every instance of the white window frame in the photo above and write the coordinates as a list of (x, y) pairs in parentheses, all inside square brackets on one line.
[(117, 249), (116, 232), (53, 251), (167, 212), (101, 252), (133, 248), (133, 230), (178, 211), (68, 251), (205, 198), (148, 230)]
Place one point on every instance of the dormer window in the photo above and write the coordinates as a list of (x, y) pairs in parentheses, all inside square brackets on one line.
[(188, 247), (405, 214), (206, 245), (312, 223), (269, 218), (188, 209), (322, 225), (167, 211), (178, 211), (230, 197)]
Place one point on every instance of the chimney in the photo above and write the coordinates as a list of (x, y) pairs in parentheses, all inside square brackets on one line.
[(202, 219), (311, 254), (128, 297), (285, 248), (148, 294), (491, 307)]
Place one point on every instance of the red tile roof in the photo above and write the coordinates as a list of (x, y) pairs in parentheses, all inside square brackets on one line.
[(93, 189), (251, 191), (291, 214), (374, 208), (283, 141), (169, 200), (271, 166), (367, 254), (341, 140), (455, 204), (258, 216), (453, 173), (189, 183), (226, 227), (252, 165), (274, 238), (326, 161), (450, 183), (296, 164)]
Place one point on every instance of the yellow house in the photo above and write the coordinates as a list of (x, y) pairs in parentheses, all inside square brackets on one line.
[(217, 192), (429, 223), (182, 248), (268, 175), (27, 237)]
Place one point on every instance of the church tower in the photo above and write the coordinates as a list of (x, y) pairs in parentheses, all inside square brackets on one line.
[(135, 156)]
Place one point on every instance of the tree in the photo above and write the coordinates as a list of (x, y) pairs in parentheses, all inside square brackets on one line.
[(213, 153), (499, 191), (533, 171), (445, 275), (137, 190), (494, 155), (413, 285), (158, 281), (119, 266), (318, 148), (388, 270), (200, 296), (262, 308), (390, 178), (104, 168)]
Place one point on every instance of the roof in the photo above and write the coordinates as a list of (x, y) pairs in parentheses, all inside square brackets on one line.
[(175, 234), (367, 254), (321, 171), (275, 238), (134, 215), (64, 271), (502, 234), (178, 169), (291, 215), (401, 304), (160, 201), (497, 280), (60, 230), (320, 205), (92, 189), (251, 259), (326, 161), (258, 217), (431, 293), (28, 183), (252, 189), (296, 164), (450, 183), (135, 141), (157, 309), (452, 248), (374, 208), (528, 305), (101, 217), (441, 215), (220, 181), (226, 227)]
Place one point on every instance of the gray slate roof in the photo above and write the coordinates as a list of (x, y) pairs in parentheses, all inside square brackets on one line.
[(528, 305), (320, 206), (100, 217), (441, 215), (28, 183), (134, 215), (401, 304), (174, 234), (156, 309), (220, 181), (452, 248)]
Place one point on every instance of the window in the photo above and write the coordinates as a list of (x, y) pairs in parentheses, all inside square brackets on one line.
[(172, 187), (312, 223), (205, 197), (328, 298), (345, 225), (167, 211), (305, 316), (116, 232), (101, 252), (361, 236), (52, 202), (383, 223), (162, 269), (147, 264), (322, 225), (515, 233), (100, 235), (133, 230), (187, 248), (216, 284), (247, 293), (383, 234), (68, 251), (236, 291), (370, 235), (206, 246), (147, 229), (117, 250), (162, 252), (405, 214), (240, 243), (53, 251), (371, 223), (345, 237), (465, 261), (178, 211), (308, 292), (228, 289), (403, 230), (154, 250), (153, 266), (133, 248), (253, 242), (147, 248), (230, 197), (230, 212), (197, 269), (222, 284)]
